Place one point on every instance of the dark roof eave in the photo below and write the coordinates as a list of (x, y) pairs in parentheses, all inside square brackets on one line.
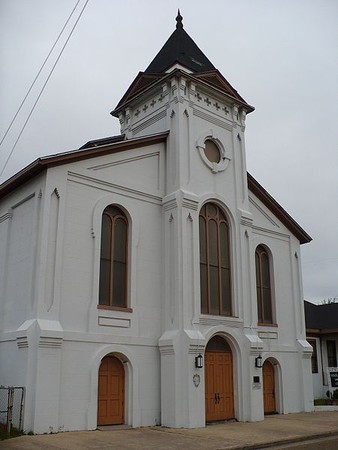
[(321, 331), (278, 210), (122, 104), (41, 164)]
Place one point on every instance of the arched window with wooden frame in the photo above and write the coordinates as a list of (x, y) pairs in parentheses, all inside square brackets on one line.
[(263, 285), (113, 258), (215, 270)]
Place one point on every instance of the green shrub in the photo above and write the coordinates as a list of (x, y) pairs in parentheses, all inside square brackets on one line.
[(321, 401)]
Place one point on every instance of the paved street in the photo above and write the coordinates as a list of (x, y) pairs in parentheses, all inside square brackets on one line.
[(273, 431), (330, 443)]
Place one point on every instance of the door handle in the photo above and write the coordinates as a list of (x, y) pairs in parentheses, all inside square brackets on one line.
[(215, 398), (218, 398)]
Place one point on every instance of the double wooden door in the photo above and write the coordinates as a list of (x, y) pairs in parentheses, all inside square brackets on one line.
[(269, 388), (219, 389), (111, 392)]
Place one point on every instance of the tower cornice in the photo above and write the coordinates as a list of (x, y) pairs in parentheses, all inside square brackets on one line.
[(206, 80)]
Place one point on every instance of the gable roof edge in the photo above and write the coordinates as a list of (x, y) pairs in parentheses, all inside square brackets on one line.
[(278, 210), (44, 162)]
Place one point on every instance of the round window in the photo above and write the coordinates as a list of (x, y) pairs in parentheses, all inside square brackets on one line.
[(212, 151)]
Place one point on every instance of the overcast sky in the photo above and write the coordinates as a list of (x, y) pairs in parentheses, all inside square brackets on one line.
[(281, 56)]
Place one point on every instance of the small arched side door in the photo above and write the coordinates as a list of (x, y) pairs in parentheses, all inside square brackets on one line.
[(269, 388), (110, 409)]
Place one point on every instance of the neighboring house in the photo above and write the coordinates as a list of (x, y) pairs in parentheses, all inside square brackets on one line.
[(146, 278), (322, 334)]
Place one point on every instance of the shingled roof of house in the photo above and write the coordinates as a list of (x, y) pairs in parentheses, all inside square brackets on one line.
[(321, 317)]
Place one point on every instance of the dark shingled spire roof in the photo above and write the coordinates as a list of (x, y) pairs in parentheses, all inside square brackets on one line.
[(181, 49)]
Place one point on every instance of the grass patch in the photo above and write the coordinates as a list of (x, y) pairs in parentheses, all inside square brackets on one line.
[(14, 433), (325, 402)]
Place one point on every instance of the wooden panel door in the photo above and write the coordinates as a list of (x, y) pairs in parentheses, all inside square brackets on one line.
[(219, 391), (210, 386), (111, 392), (269, 388)]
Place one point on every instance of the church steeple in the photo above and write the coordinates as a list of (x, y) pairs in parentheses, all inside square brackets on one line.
[(180, 49), (156, 86)]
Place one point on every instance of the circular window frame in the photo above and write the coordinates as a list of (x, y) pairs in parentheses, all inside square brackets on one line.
[(223, 163)]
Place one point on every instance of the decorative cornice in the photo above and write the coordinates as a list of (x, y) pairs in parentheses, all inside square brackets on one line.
[(22, 342), (167, 350), (209, 118), (190, 204), (246, 222), (6, 216), (170, 203), (150, 121), (50, 342)]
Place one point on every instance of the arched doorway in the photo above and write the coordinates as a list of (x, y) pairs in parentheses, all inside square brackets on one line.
[(269, 388), (110, 410), (219, 386)]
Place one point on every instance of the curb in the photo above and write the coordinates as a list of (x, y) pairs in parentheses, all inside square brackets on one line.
[(303, 439)]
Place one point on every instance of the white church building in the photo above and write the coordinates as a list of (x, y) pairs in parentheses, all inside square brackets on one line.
[(147, 278)]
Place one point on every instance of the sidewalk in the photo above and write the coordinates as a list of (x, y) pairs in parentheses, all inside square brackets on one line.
[(279, 429)]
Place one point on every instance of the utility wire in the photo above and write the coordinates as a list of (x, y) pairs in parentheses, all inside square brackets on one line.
[(37, 76), (43, 87)]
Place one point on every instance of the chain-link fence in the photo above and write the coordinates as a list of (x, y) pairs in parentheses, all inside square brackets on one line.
[(11, 408)]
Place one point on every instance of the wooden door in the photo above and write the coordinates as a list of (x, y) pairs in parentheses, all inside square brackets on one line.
[(111, 392), (269, 388), (219, 391)]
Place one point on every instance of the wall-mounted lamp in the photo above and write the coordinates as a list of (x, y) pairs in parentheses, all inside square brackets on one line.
[(259, 362), (199, 361)]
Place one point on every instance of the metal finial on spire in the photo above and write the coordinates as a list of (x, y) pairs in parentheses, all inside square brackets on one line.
[(179, 19)]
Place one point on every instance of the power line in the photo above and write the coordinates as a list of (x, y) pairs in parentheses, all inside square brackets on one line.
[(43, 87), (37, 76)]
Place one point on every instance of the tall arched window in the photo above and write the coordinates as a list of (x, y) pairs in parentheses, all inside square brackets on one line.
[(113, 261), (215, 270), (263, 284)]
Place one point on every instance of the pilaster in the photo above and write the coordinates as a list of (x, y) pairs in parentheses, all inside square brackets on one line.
[(39, 345), (180, 215), (182, 384)]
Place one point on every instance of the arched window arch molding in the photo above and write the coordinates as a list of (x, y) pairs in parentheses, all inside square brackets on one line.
[(220, 201), (133, 236), (102, 204), (127, 357), (259, 243), (229, 336), (218, 139), (271, 257)]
